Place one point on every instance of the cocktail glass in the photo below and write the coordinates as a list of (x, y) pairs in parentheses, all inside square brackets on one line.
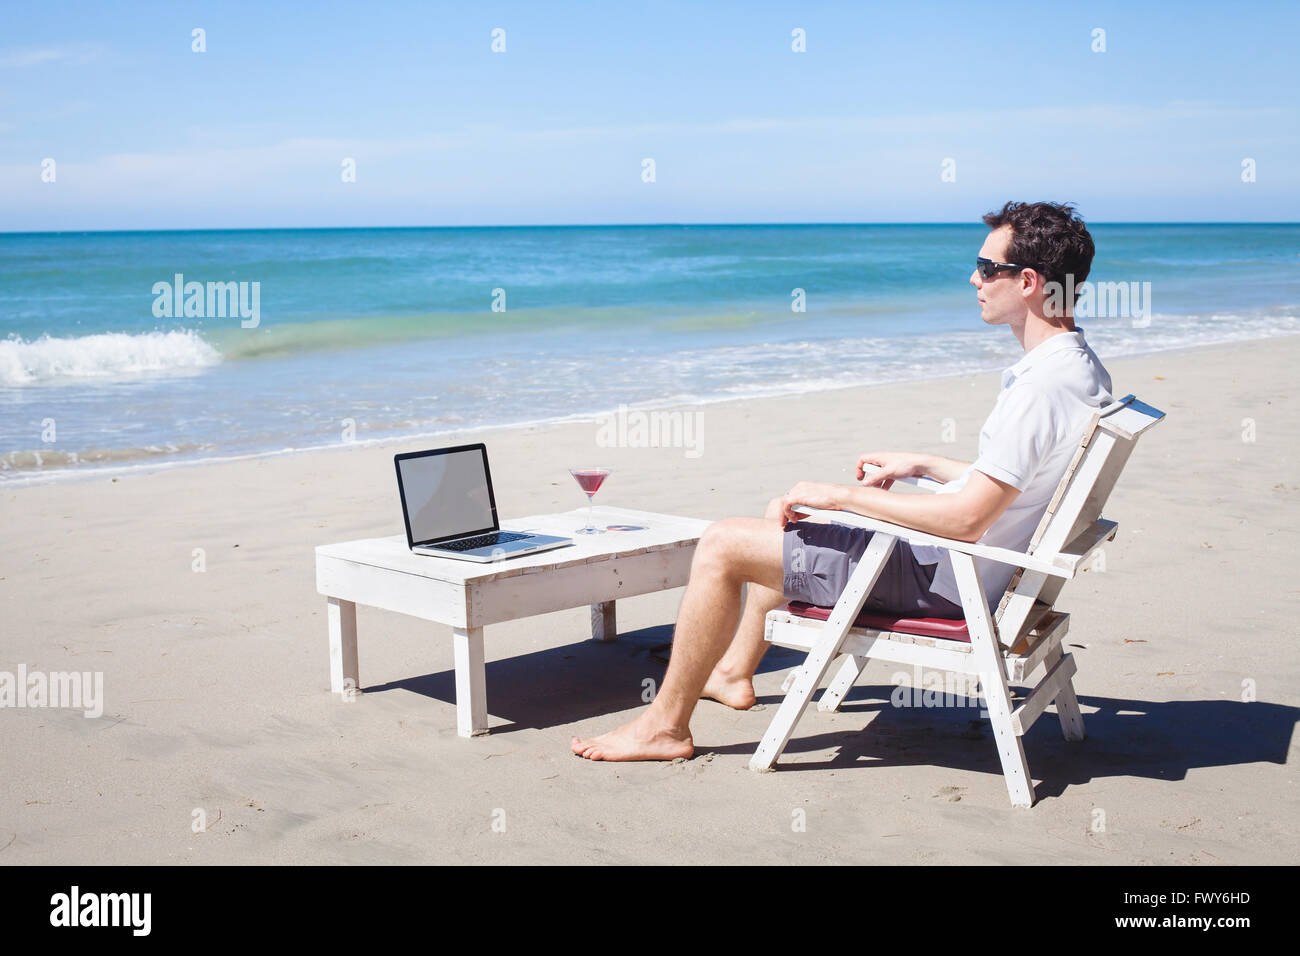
[(589, 480)]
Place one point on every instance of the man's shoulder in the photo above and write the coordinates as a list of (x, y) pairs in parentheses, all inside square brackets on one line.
[(1053, 395), (1074, 371)]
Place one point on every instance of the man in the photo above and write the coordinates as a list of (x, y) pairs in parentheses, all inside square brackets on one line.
[(1024, 448)]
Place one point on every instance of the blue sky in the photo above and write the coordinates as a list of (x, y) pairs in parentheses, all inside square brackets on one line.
[(147, 134)]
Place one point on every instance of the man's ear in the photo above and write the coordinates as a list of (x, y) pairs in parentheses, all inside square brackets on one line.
[(1030, 282)]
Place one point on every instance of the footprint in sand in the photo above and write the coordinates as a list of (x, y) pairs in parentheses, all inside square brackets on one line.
[(952, 793)]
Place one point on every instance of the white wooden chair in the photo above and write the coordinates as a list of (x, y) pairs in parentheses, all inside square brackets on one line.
[(1000, 649)]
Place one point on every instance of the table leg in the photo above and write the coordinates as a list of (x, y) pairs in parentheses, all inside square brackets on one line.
[(471, 682), (603, 627), (344, 673)]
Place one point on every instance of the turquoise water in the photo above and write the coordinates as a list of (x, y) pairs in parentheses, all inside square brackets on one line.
[(378, 333)]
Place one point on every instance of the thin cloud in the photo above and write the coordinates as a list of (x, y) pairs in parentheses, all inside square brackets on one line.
[(36, 56)]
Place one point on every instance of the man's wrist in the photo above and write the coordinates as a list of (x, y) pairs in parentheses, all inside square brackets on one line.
[(856, 498)]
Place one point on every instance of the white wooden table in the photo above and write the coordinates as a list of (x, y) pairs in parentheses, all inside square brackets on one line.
[(596, 570)]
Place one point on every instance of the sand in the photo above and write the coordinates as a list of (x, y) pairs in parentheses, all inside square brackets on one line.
[(217, 711)]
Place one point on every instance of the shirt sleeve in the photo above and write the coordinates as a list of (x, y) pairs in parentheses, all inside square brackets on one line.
[(1021, 437)]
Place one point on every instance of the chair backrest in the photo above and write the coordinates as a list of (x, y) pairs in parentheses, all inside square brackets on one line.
[(1076, 505)]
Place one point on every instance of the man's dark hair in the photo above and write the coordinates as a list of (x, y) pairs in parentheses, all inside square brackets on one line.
[(1048, 237)]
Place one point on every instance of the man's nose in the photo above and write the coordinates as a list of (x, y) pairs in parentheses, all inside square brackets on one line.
[(975, 278)]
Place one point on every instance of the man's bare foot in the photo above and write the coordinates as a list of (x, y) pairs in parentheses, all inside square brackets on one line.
[(736, 692), (635, 741)]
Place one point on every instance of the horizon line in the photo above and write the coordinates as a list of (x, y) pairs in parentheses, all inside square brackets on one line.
[(627, 225)]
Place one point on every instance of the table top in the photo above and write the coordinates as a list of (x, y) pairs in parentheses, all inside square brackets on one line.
[(646, 532)]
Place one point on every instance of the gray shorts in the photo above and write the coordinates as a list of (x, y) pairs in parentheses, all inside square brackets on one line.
[(819, 557)]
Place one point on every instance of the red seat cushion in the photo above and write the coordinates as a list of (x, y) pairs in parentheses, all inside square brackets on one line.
[(926, 626)]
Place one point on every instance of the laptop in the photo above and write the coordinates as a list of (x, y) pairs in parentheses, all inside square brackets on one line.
[(450, 511)]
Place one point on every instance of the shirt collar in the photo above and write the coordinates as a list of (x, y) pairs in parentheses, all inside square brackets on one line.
[(1054, 343)]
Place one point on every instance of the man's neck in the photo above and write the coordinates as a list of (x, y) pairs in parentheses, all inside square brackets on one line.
[(1038, 330)]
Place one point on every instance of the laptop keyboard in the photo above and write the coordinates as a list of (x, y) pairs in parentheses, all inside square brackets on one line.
[(481, 541)]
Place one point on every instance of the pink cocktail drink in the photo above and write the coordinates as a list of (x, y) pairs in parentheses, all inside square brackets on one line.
[(589, 480)]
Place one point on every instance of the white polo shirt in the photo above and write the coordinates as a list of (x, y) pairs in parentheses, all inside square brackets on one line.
[(1028, 441)]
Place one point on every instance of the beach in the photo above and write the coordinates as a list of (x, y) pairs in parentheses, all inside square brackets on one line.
[(219, 742)]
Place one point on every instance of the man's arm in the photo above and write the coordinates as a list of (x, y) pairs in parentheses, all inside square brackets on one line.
[(943, 469), (904, 464), (964, 515)]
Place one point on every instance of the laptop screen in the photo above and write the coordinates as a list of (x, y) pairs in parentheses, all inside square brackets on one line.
[(446, 495)]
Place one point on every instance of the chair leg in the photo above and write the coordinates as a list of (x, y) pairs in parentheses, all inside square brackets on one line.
[(842, 683), (1015, 767), (993, 680), (1067, 705), (824, 649)]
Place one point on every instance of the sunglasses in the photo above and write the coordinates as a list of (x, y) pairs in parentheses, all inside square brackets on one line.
[(988, 268)]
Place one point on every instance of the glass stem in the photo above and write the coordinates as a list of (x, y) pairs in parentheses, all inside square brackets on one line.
[(590, 504)]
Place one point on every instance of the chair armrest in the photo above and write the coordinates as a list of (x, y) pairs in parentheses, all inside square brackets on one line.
[(912, 536), (925, 484)]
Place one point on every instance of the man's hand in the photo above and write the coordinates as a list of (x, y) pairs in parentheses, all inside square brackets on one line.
[(892, 465), (812, 494)]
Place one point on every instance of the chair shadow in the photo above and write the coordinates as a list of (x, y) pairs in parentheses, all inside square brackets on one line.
[(1157, 740), (1125, 738), (573, 682)]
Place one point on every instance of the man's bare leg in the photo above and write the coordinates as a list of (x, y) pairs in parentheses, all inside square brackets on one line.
[(730, 553), (732, 680)]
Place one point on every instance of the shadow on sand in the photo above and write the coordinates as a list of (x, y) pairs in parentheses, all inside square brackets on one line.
[(1126, 738)]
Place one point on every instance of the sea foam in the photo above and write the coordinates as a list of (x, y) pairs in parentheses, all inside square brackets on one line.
[(106, 355)]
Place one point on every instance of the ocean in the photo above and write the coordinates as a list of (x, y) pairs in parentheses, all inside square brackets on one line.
[(109, 357)]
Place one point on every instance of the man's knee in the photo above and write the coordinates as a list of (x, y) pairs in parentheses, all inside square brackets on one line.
[(728, 548), (716, 539), (718, 546), (774, 509)]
